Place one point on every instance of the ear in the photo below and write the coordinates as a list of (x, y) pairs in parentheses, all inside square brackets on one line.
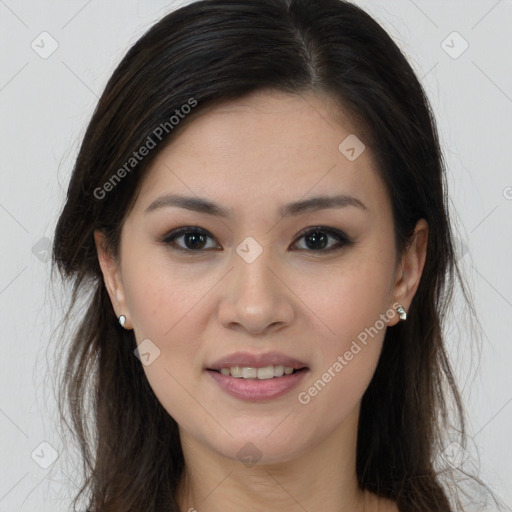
[(410, 269), (112, 277)]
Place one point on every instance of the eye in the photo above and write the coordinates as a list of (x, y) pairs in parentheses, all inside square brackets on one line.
[(316, 239), (193, 237)]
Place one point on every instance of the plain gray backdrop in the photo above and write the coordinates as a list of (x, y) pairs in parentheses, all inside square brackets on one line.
[(56, 57)]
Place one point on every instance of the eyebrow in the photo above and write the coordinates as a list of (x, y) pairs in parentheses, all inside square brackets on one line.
[(300, 207)]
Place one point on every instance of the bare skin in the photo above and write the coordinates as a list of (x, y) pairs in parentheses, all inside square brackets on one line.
[(252, 156)]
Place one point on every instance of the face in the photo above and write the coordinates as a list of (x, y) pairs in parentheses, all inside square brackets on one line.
[(309, 288)]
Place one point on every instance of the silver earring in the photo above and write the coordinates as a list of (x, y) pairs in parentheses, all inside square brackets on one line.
[(401, 311), (122, 320)]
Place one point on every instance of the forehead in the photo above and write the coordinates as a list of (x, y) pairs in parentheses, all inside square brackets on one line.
[(269, 146)]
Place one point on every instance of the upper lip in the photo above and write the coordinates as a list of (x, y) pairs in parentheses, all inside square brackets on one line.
[(256, 361)]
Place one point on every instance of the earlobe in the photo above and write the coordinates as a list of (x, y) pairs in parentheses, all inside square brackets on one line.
[(411, 267)]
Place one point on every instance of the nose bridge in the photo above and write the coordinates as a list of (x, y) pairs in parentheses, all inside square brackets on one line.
[(252, 273)]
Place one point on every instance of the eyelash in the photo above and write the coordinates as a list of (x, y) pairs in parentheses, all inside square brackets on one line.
[(343, 239)]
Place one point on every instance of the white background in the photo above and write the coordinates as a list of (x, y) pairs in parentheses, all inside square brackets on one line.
[(45, 105)]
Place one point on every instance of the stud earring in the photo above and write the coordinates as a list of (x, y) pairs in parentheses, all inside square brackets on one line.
[(401, 311), (122, 320)]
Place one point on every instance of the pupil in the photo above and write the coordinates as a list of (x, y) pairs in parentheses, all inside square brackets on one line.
[(194, 240), (315, 237)]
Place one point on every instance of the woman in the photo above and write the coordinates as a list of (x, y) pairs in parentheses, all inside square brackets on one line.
[(259, 211)]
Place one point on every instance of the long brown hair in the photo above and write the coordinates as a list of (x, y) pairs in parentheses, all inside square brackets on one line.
[(212, 51)]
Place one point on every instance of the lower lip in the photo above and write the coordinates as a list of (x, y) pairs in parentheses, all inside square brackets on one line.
[(256, 389)]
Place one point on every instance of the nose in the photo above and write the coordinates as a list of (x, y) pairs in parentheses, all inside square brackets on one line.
[(255, 296)]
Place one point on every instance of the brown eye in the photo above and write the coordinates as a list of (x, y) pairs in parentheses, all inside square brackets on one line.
[(317, 239), (194, 239)]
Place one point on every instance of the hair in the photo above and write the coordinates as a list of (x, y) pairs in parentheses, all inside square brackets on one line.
[(213, 51)]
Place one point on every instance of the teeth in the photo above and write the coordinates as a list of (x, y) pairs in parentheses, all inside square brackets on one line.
[(266, 373), (248, 372), (235, 371), (278, 370)]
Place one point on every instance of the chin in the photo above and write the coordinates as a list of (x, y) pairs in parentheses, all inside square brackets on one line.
[(265, 446)]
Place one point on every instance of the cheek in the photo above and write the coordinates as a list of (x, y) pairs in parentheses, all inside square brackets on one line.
[(347, 360), (356, 309), (351, 296), (162, 297), (167, 308)]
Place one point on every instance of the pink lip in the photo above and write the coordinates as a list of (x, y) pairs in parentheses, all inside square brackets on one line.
[(256, 361), (255, 389)]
